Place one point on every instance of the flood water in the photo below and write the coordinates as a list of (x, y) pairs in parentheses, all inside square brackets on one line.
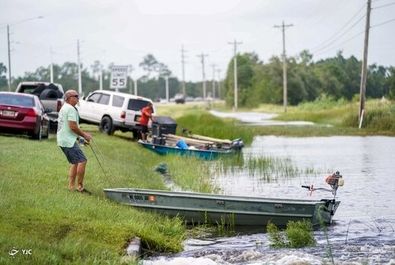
[(363, 231)]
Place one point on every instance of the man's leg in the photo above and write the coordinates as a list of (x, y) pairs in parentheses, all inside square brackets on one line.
[(72, 175), (81, 174)]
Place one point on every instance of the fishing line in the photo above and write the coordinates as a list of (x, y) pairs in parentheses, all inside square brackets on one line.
[(99, 151), (98, 161)]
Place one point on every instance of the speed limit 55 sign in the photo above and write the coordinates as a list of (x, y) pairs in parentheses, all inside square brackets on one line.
[(119, 76)]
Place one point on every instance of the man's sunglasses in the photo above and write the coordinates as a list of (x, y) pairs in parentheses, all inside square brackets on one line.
[(75, 96)]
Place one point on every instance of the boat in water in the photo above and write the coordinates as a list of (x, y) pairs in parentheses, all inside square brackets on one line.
[(202, 208), (164, 141)]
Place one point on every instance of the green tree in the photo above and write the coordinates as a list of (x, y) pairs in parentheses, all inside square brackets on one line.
[(376, 86), (245, 72)]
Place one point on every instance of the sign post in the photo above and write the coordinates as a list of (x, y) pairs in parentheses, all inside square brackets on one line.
[(119, 77)]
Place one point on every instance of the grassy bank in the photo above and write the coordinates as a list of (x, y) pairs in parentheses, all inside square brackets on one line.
[(331, 118), (379, 117), (39, 213)]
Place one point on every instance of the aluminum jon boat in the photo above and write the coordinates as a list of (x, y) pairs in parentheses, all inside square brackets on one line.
[(199, 208)]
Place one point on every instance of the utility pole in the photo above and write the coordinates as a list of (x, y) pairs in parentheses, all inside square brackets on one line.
[(202, 56), (213, 84), (9, 58), (364, 71), (285, 97), (183, 70), (79, 68), (130, 85), (51, 65), (135, 86), (234, 43), (167, 88), (101, 78), (219, 83), (9, 46)]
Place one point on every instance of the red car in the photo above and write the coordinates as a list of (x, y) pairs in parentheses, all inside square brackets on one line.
[(23, 113)]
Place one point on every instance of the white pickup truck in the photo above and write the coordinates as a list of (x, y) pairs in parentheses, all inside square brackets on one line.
[(50, 95)]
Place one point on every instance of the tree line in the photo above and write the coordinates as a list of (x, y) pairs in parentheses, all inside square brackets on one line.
[(336, 77), (258, 82)]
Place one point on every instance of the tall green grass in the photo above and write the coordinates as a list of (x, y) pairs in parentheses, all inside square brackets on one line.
[(267, 169), (39, 213), (297, 234), (331, 117)]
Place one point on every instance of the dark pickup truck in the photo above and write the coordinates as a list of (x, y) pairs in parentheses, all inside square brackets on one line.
[(50, 95)]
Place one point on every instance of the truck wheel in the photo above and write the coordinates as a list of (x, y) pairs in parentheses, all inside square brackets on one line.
[(106, 125)]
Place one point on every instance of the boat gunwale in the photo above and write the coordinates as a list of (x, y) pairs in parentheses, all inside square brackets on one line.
[(216, 196), (211, 210)]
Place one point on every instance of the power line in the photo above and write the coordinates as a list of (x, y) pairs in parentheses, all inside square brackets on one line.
[(341, 29), (340, 44), (383, 23), (330, 43), (385, 5)]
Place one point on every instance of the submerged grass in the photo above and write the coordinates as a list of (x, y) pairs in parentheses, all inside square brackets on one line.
[(268, 169), (59, 226)]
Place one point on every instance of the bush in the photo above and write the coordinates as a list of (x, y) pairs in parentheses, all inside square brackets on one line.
[(297, 235), (300, 234), (276, 238)]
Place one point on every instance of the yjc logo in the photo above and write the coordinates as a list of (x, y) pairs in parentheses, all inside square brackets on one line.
[(15, 251)]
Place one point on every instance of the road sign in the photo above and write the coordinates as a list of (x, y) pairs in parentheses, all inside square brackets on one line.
[(119, 76)]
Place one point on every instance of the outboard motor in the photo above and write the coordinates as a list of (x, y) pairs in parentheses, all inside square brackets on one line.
[(335, 180), (237, 144)]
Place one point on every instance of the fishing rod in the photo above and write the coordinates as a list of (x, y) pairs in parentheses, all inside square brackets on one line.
[(85, 142)]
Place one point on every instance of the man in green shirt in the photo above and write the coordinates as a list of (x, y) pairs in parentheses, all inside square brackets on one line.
[(68, 132)]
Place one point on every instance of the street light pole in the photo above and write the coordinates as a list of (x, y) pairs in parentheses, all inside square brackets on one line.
[(9, 58), (9, 46)]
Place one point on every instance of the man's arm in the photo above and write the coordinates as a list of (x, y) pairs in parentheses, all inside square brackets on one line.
[(74, 127)]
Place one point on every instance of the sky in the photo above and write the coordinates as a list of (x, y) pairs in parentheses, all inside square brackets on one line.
[(123, 32)]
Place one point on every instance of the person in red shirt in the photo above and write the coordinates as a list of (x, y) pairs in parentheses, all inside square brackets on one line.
[(146, 115)]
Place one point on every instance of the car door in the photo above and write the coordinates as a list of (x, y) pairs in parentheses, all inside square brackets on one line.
[(102, 107), (116, 108), (89, 106)]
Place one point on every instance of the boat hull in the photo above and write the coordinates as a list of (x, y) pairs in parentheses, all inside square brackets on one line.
[(202, 154), (199, 208)]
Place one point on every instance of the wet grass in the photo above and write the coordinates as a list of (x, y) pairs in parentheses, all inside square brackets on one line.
[(39, 213)]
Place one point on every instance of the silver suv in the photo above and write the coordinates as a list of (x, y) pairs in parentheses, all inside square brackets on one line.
[(113, 111)]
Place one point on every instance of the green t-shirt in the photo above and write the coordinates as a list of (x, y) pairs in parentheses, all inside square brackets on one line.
[(65, 136)]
